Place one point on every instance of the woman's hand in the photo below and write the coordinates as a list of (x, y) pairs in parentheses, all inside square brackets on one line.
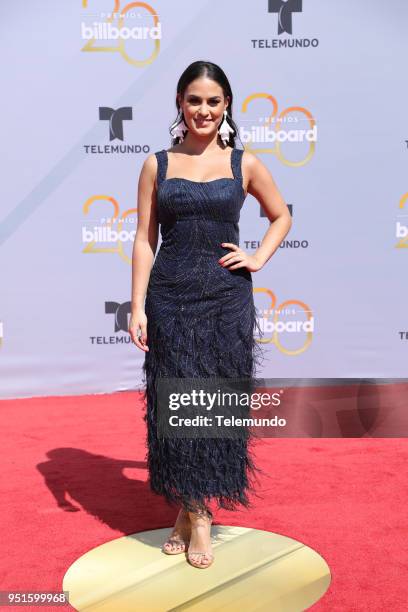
[(138, 329), (241, 257)]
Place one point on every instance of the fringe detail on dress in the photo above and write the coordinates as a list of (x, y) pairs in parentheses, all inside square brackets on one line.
[(193, 472)]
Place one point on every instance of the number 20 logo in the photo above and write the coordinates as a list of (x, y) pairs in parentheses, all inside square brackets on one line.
[(120, 46), (403, 230), (274, 339), (91, 247), (279, 121)]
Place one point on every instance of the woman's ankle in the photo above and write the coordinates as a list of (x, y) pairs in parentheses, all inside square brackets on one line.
[(200, 516)]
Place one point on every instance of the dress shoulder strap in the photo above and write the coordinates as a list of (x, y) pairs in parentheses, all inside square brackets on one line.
[(236, 160), (161, 157)]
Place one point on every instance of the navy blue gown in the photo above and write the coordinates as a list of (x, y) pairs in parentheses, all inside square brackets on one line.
[(201, 321)]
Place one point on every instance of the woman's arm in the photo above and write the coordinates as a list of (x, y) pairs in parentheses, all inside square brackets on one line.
[(262, 186), (144, 249)]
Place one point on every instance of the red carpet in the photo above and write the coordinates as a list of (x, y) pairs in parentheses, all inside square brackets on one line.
[(74, 476)]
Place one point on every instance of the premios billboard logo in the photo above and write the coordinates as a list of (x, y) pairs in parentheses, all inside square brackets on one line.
[(401, 228), (130, 30), (290, 134), (289, 325), (112, 231)]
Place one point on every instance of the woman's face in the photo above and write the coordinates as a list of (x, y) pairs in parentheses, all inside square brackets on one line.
[(203, 106)]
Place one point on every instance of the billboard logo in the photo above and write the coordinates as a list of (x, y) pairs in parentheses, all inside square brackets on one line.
[(401, 228), (132, 42), (107, 31)]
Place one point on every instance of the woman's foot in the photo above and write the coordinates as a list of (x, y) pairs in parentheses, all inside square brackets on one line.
[(200, 552), (179, 538)]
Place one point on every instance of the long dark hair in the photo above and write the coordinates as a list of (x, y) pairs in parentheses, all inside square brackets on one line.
[(212, 71)]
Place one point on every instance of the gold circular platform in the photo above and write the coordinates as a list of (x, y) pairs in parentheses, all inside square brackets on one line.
[(253, 570)]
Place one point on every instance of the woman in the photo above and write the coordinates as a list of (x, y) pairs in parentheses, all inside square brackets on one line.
[(199, 317)]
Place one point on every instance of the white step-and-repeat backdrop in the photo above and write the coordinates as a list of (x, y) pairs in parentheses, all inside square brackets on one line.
[(319, 95)]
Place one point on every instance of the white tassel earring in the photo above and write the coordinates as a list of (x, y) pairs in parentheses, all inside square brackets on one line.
[(225, 129), (179, 127)]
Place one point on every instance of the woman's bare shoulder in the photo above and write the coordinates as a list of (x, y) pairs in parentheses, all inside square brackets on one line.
[(251, 164), (149, 168), (249, 159)]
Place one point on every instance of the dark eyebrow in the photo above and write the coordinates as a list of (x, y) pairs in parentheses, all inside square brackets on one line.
[(196, 96)]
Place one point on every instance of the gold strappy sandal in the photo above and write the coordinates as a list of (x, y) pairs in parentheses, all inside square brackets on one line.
[(173, 541), (190, 553), (179, 541)]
